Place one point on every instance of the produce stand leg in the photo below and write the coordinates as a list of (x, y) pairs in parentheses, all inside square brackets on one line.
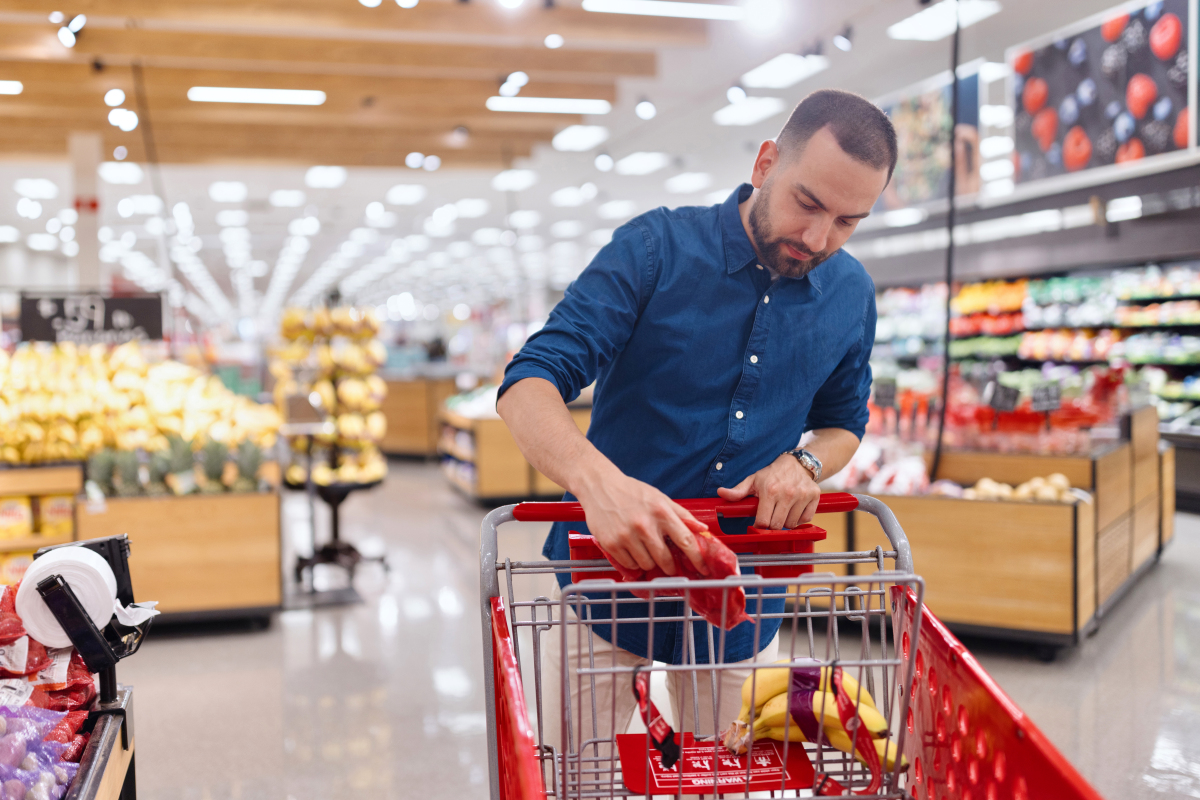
[(129, 788)]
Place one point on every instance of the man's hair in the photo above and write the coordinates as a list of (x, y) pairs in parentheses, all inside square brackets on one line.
[(860, 127)]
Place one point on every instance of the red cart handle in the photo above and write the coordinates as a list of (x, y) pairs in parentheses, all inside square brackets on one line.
[(701, 508)]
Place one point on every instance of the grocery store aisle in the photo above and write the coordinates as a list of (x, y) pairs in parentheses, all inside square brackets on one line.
[(385, 699)]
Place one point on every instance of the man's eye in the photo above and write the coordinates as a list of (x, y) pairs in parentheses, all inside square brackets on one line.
[(845, 223), (807, 207)]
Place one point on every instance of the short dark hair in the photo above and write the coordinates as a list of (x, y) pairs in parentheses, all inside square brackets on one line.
[(860, 127)]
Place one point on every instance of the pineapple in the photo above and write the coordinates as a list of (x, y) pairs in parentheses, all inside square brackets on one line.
[(126, 481), (100, 470), (160, 467), (249, 459), (181, 465), (213, 457)]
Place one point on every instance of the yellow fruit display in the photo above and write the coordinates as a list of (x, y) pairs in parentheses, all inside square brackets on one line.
[(60, 402)]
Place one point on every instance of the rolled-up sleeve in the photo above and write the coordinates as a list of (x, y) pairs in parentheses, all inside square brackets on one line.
[(594, 320), (841, 402)]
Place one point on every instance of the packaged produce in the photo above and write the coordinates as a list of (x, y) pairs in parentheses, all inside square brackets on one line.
[(56, 515), (13, 566), (1054, 488), (16, 517)]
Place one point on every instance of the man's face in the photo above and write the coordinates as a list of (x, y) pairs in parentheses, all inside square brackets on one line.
[(808, 203)]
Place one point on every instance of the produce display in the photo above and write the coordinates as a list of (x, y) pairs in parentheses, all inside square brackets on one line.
[(798, 702), (62, 402), (1055, 488), (1112, 94), (330, 356), (1068, 344)]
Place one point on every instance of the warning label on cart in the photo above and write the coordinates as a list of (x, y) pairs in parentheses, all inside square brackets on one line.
[(701, 766)]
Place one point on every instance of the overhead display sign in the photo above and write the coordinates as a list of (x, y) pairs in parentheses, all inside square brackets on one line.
[(1112, 89), (87, 319), (921, 116)]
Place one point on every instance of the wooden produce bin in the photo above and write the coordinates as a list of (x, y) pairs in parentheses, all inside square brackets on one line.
[(200, 556), (1166, 471), (411, 408), (996, 568), (501, 472)]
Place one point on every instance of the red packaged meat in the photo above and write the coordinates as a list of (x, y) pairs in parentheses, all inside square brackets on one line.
[(722, 563), (11, 628), (79, 691), (67, 727)]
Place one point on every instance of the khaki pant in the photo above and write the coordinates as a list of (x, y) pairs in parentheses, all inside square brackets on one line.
[(613, 698)]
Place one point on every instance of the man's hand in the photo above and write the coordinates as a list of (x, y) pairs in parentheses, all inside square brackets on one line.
[(631, 521), (787, 494)]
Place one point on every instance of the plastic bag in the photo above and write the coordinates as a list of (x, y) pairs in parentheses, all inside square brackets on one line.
[(31, 766), (78, 692)]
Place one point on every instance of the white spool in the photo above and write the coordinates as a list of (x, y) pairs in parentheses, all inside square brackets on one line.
[(90, 578)]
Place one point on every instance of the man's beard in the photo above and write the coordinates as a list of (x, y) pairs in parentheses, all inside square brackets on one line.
[(771, 250)]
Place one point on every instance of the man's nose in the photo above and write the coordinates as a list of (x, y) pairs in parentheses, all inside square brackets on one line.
[(816, 235)]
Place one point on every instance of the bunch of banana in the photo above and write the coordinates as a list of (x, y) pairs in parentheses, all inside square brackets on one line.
[(765, 711)]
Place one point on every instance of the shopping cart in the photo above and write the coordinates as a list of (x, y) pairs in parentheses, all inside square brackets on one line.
[(951, 732)]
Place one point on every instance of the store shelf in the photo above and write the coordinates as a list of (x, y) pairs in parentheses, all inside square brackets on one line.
[(456, 420), (65, 479), (31, 543), (463, 486), (455, 452)]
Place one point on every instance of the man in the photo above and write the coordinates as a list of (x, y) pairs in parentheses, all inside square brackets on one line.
[(717, 337)]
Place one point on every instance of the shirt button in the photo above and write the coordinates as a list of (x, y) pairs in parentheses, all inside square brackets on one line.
[(753, 359), (720, 466), (767, 299), (760, 266), (739, 415)]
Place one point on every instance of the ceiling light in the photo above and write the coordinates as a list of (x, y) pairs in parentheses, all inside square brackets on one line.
[(11, 87), (617, 209), (370, 3), (487, 237), (42, 241), (286, 198), (511, 3), (36, 188), (438, 229), (139, 204), (324, 177), (406, 194), (375, 210), (9, 234), (719, 196), (842, 41), (508, 89), (524, 220), (991, 71), (407, 3), (995, 146), (514, 180), (227, 191), (577, 138), (661, 8), (600, 237), (472, 207), (518, 79), (237, 94), (642, 163), (28, 209), (996, 116), (998, 188), (119, 152), (114, 97), (996, 170), (462, 312), (938, 21), (120, 173), (784, 70), (123, 118), (688, 182), (645, 110), (572, 196), (304, 226), (66, 37), (749, 111), (68, 216), (1120, 209), (566, 229), (431, 163), (232, 218), (458, 138), (553, 41), (414, 160), (56, 17), (549, 105), (604, 162), (77, 23), (903, 217), (53, 225), (735, 94)]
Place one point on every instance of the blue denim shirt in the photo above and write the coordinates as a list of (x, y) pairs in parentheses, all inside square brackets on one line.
[(705, 370)]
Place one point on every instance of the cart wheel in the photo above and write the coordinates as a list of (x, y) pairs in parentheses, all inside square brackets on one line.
[(1046, 653)]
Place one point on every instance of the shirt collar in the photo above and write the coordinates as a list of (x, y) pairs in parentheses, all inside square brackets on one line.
[(739, 252)]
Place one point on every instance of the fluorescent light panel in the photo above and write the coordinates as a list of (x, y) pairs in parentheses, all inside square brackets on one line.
[(549, 105), (235, 94), (784, 70), (11, 87), (937, 21), (662, 8), (748, 111)]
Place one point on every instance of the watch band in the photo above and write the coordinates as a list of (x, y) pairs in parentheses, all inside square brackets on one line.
[(809, 462)]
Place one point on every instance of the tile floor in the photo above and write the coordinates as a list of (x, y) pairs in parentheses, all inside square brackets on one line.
[(384, 699)]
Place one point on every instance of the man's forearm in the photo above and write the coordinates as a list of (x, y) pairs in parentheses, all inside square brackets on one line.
[(543, 428), (834, 446)]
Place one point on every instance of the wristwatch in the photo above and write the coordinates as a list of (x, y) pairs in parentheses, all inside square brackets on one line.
[(808, 461)]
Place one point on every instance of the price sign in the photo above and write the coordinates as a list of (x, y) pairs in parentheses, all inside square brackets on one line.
[(885, 393), (1047, 397), (1001, 398), (87, 319)]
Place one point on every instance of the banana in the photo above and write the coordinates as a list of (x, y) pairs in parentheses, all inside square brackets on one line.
[(839, 740), (775, 712), (772, 681)]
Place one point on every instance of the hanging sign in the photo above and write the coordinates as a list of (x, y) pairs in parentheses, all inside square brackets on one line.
[(1047, 397), (87, 319), (1001, 398)]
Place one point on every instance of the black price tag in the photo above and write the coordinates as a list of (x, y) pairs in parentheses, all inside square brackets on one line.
[(87, 319), (885, 393), (1001, 398), (1047, 397)]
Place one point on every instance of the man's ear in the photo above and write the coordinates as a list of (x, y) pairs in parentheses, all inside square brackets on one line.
[(767, 160)]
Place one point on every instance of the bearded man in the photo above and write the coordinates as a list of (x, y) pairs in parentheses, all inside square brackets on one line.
[(717, 337)]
